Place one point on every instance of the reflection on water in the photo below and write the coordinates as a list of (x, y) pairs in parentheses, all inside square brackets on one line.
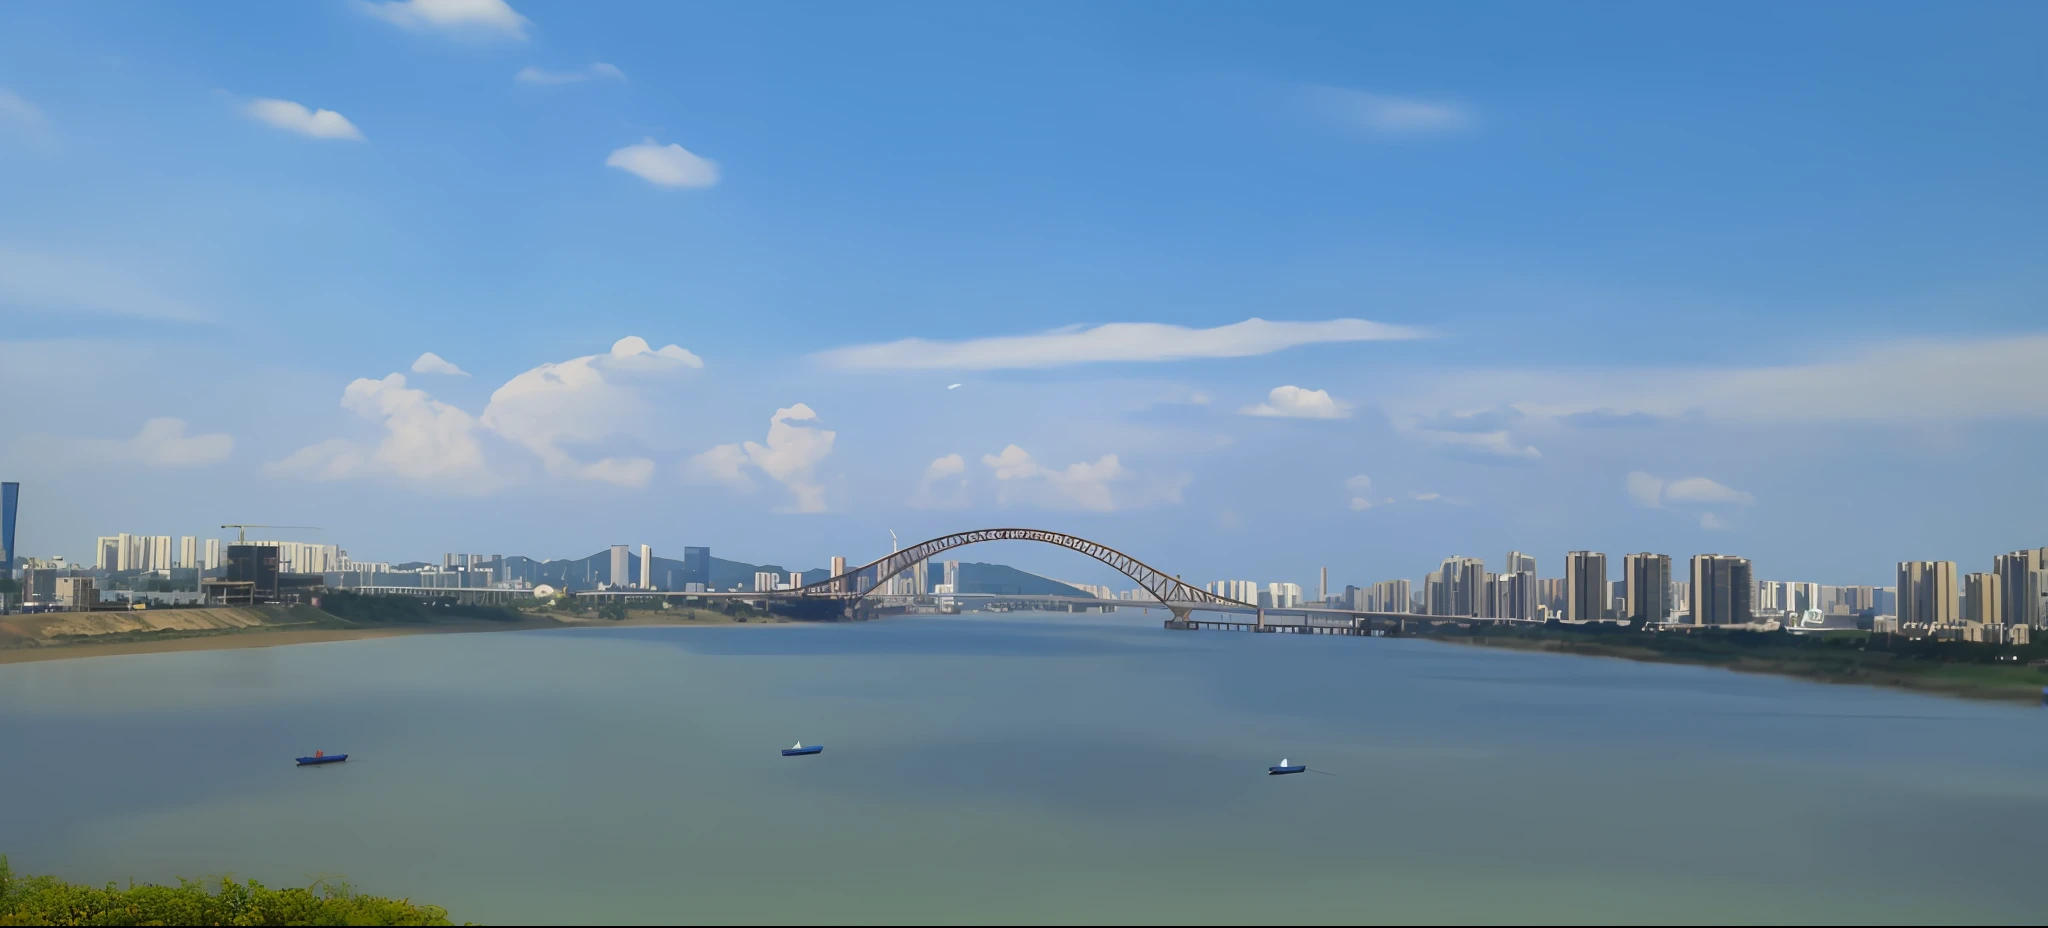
[(1023, 768)]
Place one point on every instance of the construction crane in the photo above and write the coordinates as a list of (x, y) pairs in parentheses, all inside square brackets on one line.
[(242, 536)]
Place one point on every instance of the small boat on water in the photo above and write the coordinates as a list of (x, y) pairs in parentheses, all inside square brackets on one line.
[(322, 757), (1285, 768), (799, 750)]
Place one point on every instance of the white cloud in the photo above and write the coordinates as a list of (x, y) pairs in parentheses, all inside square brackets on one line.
[(424, 440), (1898, 382), (1425, 497), (431, 363), (942, 470), (21, 118), (1297, 403), (1702, 490), (293, 117), (1654, 492), (579, 401), (1644, 489), (1361, 504), (41, 281), (1358, 484), (1387, 115), (1711, 522), (466, 18), (1019, 477), (1116, 341), (790, 457), (668, 165), (533, 75), (724, 464), (1491, 444), (162, 442)]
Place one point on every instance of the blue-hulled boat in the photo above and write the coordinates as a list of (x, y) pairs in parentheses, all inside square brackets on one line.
[(800, 751), (322, 757), (1285, 768)]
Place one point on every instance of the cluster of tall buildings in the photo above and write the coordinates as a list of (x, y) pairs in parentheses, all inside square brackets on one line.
[(2014, 593), (156, 552), (1273, 596)]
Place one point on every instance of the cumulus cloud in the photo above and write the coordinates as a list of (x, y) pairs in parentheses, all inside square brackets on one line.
[(580, 401), (668, 165), (1654, 492), (423, 440), (942, 472), (793, 451), (162, 442), (533, 75), (44, 281), (1292, 402), (1387, 115), (462, 18), (1084, 485), (431, 363), (294, 117), (1711, 522), (1116, 341), (1358, 484), (544, 410)]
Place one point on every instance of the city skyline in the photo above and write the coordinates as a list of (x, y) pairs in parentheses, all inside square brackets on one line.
[(1234, 300)]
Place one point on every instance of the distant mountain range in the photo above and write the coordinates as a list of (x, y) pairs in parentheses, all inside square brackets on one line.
[(586, 573)]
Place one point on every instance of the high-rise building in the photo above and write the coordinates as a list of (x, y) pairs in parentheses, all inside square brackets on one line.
[(1721, 590), (1927, 592), (697, 566), (211, 559), (10, 506), (1982, 604), (188, 551), (796, 579), (765, 580), (647, 567), (1585, 586), (839, 567), (1646, 580), (621, 574), (1284, 595), (1392, 596), (1518, 562), (953, 576), (1436, 594), (2021, 576), (107, 552), (1518, 591), (257, 565), (1461, 587), (1323, 587), (1769, 596), (299, 557)]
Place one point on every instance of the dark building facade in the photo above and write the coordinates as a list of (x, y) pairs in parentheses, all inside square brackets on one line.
[(1721, 590), (1648, 579), (696, 567), (254, 564), (10, 502)]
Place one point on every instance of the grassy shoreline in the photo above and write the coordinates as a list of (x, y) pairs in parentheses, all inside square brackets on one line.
[(21, 645), (2001, 683)]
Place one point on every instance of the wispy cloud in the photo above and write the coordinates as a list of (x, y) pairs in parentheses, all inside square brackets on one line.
[(1496, 444), (1388, 115), (294, 117), (460, 18), (948, 472), (1116, 341), (668, 165), (21, 119), (162, 442), (1654, 491), (43, 281), (533, 75), (1291, 402)]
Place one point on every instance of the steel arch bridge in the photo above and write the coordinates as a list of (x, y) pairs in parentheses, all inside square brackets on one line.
[(1180, 598)]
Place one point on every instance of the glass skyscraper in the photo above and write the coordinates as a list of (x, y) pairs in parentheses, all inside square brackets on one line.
[(10, 501)]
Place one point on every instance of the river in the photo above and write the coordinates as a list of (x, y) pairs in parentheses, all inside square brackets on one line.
[(1024, 768)]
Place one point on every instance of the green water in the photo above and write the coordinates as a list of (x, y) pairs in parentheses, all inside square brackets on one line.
[(1024, 769)]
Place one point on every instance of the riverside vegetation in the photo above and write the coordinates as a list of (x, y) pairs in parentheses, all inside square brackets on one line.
[(43, 900), (1954, 668)]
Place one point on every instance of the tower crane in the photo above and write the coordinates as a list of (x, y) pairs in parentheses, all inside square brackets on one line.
[(242, 536)]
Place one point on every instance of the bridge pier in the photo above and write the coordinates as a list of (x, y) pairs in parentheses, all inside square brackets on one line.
[(1178, 621), (1262, 626)]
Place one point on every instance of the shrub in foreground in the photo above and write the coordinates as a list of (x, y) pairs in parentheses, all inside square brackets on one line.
[(44, 900)]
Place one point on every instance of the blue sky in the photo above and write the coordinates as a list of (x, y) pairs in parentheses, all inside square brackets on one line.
[(1754, 279)]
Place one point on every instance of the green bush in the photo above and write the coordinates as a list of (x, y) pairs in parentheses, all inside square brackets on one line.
[(395, 609), (43, 900)]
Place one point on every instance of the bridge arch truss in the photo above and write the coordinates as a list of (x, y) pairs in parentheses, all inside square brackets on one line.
[(861, 581)]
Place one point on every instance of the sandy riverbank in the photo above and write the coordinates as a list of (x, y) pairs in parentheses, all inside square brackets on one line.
[(63, 636)]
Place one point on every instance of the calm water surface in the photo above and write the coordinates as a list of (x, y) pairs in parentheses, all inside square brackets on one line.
[(1024, 768)]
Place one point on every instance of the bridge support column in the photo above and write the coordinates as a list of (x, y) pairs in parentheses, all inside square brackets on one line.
[(1179, 620), (1262, 626)]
